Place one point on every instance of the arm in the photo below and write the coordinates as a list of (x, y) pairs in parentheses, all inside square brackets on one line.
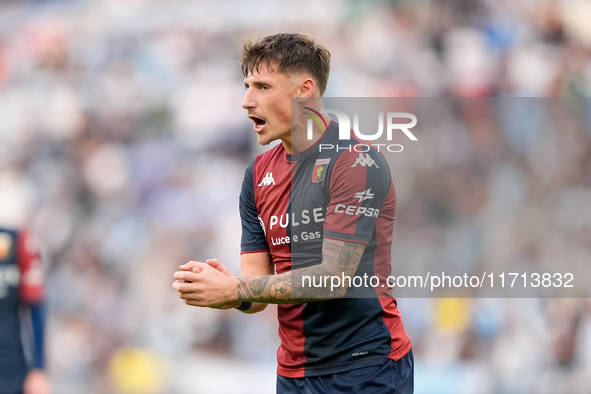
[(209, 287), (37, 381), (252, 264), (338, 258), (256, 264)]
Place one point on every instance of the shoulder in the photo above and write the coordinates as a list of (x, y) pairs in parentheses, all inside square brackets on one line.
[(361, 155), (354, 152), (263, 163), (268, 156), (264, 159)]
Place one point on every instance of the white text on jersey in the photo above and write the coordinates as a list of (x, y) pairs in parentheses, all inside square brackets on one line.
[(317, 216), (356, 211)]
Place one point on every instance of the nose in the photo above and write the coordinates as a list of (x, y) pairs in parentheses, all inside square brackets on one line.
[(249, 100)]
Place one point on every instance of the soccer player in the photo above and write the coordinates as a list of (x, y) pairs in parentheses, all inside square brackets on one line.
[(21, 315), (309, 215)]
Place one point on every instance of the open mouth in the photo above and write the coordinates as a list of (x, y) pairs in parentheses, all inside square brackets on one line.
[(258, 123)]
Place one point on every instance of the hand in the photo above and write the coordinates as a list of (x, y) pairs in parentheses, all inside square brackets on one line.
[(215, 263), (36, 382), (200, 284)]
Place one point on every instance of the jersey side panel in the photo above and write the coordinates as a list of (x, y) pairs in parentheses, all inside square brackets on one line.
[(400, 342)]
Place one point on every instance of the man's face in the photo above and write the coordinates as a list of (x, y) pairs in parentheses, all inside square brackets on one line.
[(268, 101)]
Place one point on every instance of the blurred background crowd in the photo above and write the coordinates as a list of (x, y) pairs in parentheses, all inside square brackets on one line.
[(123, 144)]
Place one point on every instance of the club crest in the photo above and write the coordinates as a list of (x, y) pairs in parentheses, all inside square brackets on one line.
[(320, 168)]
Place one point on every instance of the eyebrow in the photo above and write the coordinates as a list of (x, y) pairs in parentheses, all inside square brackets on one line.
[(257, 83)]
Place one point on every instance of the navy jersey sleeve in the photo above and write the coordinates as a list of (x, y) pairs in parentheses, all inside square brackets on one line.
[(361, 190), (253, 235)]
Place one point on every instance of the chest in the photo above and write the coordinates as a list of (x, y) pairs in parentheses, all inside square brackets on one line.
[(292, 207)]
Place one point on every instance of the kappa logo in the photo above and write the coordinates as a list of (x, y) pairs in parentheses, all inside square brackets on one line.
[(365, 161), (267, 180), (364, 195)]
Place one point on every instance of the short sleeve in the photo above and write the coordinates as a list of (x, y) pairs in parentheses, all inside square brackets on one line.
[(360, 191), (31, 273), (253, 234)]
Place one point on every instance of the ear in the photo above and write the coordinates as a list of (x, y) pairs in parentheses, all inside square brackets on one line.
[(306, 87)]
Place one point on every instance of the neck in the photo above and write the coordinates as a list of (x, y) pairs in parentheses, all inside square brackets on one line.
[(298, 140)]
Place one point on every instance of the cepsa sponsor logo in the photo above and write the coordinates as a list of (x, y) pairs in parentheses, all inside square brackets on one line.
[(354, 210)]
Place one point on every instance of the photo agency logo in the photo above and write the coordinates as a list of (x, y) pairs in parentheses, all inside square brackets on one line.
[(392, 124)]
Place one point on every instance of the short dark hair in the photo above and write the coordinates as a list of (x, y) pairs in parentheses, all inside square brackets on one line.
[(290, 53)]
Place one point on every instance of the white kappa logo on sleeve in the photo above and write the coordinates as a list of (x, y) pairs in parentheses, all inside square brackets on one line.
[(267, 180), (364, 195), (365, 161)]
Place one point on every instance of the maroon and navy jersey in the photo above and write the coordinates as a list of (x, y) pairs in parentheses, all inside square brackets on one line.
[(288, 204), (20, 284)]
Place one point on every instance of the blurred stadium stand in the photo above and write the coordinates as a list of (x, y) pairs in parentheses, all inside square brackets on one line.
[(123, 144)]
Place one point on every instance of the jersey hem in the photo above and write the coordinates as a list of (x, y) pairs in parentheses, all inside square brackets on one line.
[(329, 370), (401, 351), (332, 369)]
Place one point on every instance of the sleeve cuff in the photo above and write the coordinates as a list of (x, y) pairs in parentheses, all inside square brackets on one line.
[(364, 239), (254, 249)]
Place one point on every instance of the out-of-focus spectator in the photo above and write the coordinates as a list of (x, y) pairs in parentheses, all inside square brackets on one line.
[(22, 309)]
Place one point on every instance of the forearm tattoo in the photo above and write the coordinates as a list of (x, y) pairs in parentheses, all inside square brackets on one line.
[(338, 258)]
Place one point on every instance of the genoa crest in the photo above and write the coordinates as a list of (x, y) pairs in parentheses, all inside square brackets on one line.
[(320, 168)]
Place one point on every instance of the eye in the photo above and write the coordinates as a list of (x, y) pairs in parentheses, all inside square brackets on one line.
[(264, 87)]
